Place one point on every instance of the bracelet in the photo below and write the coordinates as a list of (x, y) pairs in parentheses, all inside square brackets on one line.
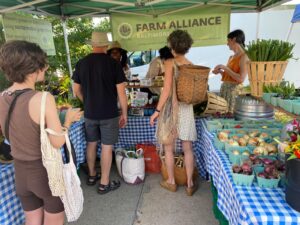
[(156, 110)]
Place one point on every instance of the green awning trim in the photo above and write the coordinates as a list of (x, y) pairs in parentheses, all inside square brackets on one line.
[(74, 8)]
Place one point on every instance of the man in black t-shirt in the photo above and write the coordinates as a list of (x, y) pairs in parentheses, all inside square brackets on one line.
[(99, 82)]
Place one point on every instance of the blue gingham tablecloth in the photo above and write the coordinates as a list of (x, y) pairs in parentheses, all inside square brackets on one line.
[(11, 212), (138, 130), (244, 205)]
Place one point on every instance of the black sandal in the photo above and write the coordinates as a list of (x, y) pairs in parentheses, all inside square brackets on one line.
[(103, 189), (92, 180)]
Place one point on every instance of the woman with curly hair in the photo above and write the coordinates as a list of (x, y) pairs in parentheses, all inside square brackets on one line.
[(176, 119)]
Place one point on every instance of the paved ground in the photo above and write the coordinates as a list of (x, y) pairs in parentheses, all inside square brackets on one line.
[(146, 204)]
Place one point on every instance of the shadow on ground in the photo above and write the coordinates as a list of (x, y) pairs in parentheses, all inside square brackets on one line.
[(146, 204)]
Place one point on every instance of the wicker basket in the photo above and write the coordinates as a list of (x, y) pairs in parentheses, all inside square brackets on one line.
[(215, 104), (179, 170), (265, 73), (192, 84)]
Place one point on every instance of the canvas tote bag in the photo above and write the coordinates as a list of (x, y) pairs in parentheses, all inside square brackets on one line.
[(67, 183), (132, 170)]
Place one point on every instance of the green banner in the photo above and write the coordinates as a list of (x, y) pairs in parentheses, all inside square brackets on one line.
[(18, 27), (207, 25)]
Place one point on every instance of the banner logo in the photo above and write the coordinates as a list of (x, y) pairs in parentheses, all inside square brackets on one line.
[(125, 30)]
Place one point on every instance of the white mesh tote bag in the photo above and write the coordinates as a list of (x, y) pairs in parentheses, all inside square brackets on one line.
[(73, 197), (51, 157), (67, 184)]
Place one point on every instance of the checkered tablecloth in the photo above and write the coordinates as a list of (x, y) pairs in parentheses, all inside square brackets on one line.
[(11, 212), (244, 205), (138, 130)]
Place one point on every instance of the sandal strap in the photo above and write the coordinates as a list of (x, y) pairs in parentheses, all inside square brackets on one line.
[(93, 179)]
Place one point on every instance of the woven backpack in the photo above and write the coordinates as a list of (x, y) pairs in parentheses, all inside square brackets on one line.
[(192, 83)]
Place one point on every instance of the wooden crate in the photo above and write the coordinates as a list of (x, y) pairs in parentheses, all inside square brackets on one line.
[(215, 104), (264, 73)]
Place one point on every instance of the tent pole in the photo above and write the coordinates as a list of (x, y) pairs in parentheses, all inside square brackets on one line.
[(289, 32), (63, 22), (257, 25)]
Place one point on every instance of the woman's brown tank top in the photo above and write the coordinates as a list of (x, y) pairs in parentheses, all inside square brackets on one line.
[(24, 133)]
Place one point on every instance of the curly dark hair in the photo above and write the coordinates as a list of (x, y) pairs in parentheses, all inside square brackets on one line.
[(165, 53), (238, 35), (21, 58), (180, 41)]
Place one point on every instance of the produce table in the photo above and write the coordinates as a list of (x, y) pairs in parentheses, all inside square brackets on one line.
[(240, 204), (11, 212), (138, 130)]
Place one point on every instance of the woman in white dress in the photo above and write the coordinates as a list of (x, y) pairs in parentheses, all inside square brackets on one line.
[(176, 119)]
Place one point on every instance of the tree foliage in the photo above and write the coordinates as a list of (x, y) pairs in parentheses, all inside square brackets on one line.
[(3, 82), (79, 31)]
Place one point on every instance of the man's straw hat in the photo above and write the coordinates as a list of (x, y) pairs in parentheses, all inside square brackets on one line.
[(99, 39)]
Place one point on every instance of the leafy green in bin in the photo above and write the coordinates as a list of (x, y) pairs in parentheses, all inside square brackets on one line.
[(285, 90)]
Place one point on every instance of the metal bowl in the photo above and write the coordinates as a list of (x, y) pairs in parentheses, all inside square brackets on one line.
[(247, 107)]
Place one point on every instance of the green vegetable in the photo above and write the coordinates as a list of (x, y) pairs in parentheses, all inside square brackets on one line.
[(285, 89), (269, 50)]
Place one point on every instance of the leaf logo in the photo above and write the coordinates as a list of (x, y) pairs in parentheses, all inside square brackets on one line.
[(125, 30)]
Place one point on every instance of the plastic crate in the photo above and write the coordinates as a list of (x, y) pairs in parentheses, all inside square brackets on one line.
[(219, 144), (229, 148), (296, 107), (267, 97), (282, 182), (258, 169), (213, 125), (267, 183), (272, 157), (280, 102), (241, 179), (238, 159), (274, 101), (288, 105)]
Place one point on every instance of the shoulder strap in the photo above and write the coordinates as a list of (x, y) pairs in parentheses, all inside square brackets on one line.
[(11, 108), (43, 110)]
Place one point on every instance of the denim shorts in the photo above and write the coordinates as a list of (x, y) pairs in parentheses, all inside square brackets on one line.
[(106, 131)]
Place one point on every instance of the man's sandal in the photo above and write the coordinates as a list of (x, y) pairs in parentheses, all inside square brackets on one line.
[(92, 180), (113, 185)]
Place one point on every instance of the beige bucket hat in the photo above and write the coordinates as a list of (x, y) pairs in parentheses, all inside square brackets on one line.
[(99, 39), (114, 44)]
